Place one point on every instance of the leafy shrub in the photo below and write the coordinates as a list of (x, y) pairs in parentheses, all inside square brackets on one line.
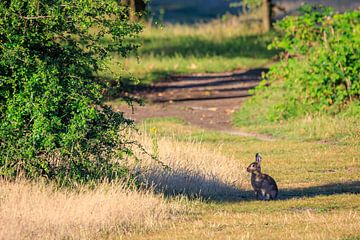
[(53, 121), (319, 71)]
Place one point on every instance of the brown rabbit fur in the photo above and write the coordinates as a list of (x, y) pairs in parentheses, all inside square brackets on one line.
[(264, 186)]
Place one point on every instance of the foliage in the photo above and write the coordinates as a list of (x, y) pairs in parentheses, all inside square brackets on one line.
[(53, 121), (319, 71)]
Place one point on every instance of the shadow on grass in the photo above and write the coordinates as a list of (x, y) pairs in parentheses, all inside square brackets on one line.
[(351, 187), (191, 184), (210, 187), (324, 190), (254, 46)]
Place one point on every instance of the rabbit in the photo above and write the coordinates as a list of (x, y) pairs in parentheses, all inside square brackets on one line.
[(264, 186)]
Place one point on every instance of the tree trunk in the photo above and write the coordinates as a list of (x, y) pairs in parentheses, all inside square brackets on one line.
[(132, 10), (131, 7), (266, 15)]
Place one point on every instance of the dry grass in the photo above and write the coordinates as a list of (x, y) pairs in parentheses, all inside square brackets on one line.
[(318, 185), (31, 210), (39, 211), (318, 181), (195, 170), (304, 224)]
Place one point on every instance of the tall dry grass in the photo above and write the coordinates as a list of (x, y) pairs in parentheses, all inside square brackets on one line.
[(195, 170), (31, 210)]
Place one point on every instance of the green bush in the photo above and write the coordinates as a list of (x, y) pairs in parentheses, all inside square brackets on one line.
[(53, 122), (328, 48), (319, 71)]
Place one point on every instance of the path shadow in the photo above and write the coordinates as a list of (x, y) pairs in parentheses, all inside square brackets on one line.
[(230, 85), (209, 80), (255, 72), (216, 83), (237, 89), (200, 98), (217, 86)]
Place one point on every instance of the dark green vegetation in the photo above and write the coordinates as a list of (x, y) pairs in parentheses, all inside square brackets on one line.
[(53, 122), (318, 74)]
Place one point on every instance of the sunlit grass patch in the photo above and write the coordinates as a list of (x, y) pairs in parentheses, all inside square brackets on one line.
[(316, 204), (330, 217), (258, 114), (293, 162), (317, 127), (340, 128), (217, 46)]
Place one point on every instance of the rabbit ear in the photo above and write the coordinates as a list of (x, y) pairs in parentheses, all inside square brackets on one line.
[(258, 157)]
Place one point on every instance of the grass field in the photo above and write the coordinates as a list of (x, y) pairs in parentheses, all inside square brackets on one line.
[(319, 185), (342, 127), (218, 46), (319, 197), (315, 159), (206, 193)]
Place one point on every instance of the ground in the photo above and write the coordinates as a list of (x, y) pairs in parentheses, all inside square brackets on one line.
[(204, 100), (319, 184)]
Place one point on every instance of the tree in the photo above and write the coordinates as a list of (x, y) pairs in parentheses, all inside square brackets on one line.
[(267, 9), (53, 121), (134, 7), (266, 15)]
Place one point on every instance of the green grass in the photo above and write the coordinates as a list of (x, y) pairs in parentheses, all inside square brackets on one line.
[(217, 46), (259, 114)]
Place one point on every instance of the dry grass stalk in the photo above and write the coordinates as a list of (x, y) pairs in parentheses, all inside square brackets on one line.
[(39, 211), (195, 170)]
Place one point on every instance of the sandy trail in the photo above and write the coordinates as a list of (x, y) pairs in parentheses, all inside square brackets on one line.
[(206, 100)]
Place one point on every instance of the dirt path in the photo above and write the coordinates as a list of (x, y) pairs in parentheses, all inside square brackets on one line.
[(205, 100)]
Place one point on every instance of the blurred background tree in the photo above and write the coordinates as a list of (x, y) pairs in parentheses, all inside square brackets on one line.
[(136, 8), (266, 8), (178, 11)]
